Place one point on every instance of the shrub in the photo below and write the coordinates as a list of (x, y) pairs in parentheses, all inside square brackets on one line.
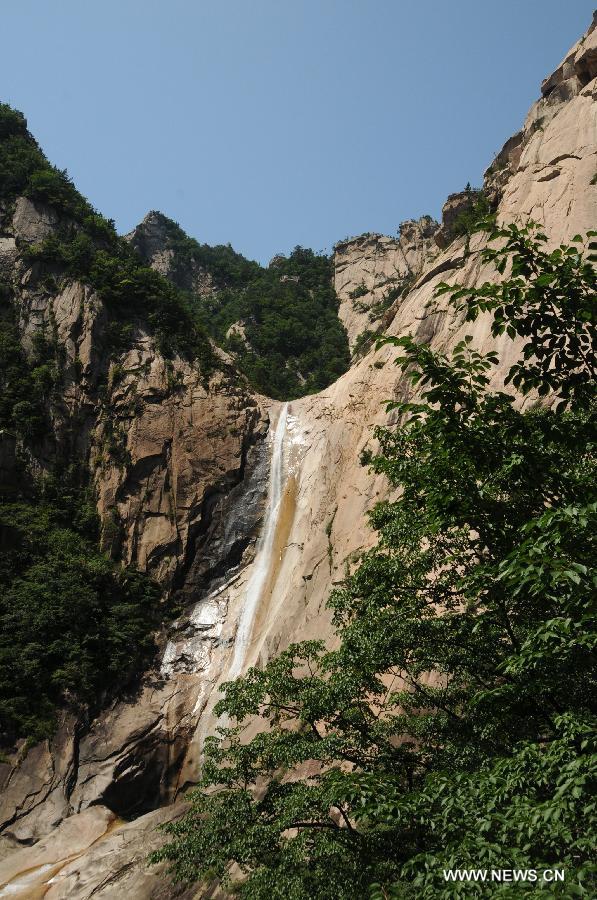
[(363, 343), (468, 221), (359, 291)]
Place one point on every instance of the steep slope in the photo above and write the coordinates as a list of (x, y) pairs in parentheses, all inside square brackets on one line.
[(279, 323), (545, 173), (105, 402), (373, 272)]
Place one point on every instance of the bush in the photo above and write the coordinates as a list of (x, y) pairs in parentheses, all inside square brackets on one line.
[(24, 384), (470, 219), (55, 188), (360, 291), (363, 342), (12, 122)]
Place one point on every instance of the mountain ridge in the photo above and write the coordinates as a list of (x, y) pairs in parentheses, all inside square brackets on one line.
[(279, 323)]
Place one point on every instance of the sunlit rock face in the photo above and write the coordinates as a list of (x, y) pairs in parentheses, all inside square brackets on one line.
[(373, 271), (337, 423), (151, 240), (193, 498)]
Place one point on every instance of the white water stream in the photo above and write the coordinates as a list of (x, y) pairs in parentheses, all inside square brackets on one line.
[(263, 556)]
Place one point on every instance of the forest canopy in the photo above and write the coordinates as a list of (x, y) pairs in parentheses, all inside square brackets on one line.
[(280, 322)]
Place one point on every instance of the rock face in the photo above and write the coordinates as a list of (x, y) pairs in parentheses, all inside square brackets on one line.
[(166, 444), (179, 462), (373, 271), (455, 206), (336, 425), (205, 491), (151, 241), (546, 170)]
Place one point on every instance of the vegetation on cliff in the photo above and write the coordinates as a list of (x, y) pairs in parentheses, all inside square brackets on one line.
[(85, 246), (454, 725), (24, 383), (293, 342), (227, 267), (74, 626), (288, 339), (477, 209)]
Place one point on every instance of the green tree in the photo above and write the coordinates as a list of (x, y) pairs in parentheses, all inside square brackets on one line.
[(294, 341), (85, 246), (549, 301), (454, 724), (73, 627)]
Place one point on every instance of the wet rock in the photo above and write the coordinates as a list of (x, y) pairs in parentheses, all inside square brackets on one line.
[(27, 872)]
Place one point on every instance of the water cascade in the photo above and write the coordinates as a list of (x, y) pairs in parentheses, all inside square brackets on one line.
[(265, 546)]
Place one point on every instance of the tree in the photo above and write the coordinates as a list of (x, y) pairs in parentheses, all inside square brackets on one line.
[(549, 300), (454, 725), (74, 628)]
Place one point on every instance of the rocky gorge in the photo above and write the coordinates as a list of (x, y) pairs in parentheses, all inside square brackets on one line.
[(219, 481)]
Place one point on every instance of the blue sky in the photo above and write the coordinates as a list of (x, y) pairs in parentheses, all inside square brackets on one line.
[(271, 123)]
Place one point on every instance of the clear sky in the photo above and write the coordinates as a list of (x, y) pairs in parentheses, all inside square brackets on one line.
[(271, 123)]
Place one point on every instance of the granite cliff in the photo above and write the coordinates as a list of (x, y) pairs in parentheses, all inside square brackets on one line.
[(80, 811)]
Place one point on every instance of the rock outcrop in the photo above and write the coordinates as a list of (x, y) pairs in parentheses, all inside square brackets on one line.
[(545, 173), (372, 272), (336, 425), (151, 240)]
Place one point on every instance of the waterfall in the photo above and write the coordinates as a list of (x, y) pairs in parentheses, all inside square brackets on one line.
[(263, 556)]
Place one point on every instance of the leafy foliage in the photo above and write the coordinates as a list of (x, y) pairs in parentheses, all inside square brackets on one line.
[(24, 170), (295, 343), (363, 341), (24, 384), (478, 210), (454, 724), (290, 342), (549, 300), (360, 291), (531, 805), (73, 627)]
